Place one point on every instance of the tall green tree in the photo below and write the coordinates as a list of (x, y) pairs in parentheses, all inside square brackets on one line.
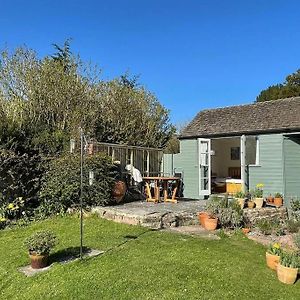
[(289, 88), (47, 99)]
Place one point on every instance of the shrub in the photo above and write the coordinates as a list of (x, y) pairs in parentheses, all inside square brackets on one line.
[(229, 213), (239, 194), (297, 240), (214, 204), (293, 226), (61, 183), (295, 209), (2, 222), (295, 204), (268, 227), (20, 181), (41, 242)]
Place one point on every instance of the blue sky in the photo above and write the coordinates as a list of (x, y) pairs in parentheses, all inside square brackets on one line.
[(191, 54)]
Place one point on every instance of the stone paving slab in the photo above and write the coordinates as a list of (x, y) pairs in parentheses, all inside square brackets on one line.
[(153, 215), (29, 271), (195, 230)]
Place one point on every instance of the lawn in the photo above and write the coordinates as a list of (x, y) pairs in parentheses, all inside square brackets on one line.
[(140, 264)]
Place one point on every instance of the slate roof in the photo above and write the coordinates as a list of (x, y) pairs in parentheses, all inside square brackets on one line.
[(262, 117)]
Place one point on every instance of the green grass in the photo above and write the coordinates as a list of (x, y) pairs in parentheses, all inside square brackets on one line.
[(156, 265)]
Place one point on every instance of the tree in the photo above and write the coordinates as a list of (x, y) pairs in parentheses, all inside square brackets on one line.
[(173, 145), (290, 88), (47, 99), (132, 115)]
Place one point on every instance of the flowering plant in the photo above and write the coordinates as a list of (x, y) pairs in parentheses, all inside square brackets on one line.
[(14, 209), (274, 249), (2, 222), (258, 192)]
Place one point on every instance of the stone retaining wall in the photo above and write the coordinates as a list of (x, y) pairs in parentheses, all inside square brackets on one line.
[(267, 213), (164, 216), (155, 220)]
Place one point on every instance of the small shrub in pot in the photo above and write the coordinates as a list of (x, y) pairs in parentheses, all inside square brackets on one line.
[(240, 197), (278, 199), (212, 207), (287, 269), (39, 246)]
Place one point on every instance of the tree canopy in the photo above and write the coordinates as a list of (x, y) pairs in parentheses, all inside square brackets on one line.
[(289, 88), (45, 100)]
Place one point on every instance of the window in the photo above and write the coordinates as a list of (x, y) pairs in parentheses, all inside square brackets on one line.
[(252, 150), (235, 153), (257, 151)]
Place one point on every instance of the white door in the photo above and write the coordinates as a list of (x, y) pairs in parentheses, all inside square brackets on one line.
[(204, 167)]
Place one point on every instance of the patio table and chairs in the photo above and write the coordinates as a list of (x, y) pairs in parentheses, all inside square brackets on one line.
[(168, 185)]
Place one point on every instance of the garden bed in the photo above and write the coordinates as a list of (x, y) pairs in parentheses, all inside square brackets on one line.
[(286, 241)]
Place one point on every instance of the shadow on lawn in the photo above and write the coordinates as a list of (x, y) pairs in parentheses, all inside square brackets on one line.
[(66, 255)]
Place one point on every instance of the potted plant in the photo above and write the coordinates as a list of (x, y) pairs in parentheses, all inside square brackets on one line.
[(273, 255), (202, 216), (246, 225), (240, 197), (270, 199), (250, 202), (211, 222), (278, 200), (258, 195), (39, 246), (213, 206), (287, 268), (246, 229)]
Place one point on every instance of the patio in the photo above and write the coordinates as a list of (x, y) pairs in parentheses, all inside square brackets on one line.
[(154, 215)]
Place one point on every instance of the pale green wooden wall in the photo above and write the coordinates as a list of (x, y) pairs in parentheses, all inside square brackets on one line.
[(187, 160), (171, 161), (168, 163), (278, 169), (271, 168), (291, 168)]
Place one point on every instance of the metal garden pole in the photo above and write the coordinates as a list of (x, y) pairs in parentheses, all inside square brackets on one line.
[(81, 191)]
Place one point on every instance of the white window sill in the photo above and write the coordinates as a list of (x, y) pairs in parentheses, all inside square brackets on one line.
[(254, 166)]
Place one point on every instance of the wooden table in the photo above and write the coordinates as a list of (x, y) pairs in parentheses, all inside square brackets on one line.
[(164, 180)]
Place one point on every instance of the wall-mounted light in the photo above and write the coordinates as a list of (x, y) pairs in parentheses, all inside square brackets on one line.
[(91, 177), (72, 145)]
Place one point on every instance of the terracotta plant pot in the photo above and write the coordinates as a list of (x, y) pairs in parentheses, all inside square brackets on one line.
[(211, 223), (38, 261), (251, 204), (202, 216), (119, 191), (272, 260), (278, 202), (259, 202), (241, 202), (246, 230), (270, 199), (286, 275)]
